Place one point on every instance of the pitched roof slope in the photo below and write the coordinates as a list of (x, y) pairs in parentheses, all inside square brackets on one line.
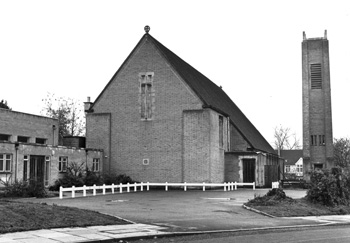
[(214, 97), (292, 156), (211, 95)]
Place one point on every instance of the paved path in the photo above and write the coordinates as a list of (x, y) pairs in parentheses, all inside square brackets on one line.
[(160, 212), (83, 234)]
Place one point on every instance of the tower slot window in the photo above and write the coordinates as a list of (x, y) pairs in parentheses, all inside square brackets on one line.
[(146, 93), (313, 140), (316, 76)]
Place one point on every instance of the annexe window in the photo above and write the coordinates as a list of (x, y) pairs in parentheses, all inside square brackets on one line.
[(40, 140), (62, 164), (5, 162), (316, 76), (4, 137), (221, 131), (22, 139), (95, 164), (146, 93)]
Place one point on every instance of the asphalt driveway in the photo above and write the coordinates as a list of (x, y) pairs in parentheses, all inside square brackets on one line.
[(184, 211)]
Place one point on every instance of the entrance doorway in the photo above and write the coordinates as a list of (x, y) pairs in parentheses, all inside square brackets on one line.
[(37, 169), (248, 170)]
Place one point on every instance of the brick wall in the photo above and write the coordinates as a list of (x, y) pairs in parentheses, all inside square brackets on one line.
[(160, 139), (21, 124), (98, 135)]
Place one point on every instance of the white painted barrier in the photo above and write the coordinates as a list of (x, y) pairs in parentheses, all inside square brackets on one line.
[(227, 187)]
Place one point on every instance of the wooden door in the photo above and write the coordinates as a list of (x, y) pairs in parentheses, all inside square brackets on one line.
[(248, 170)]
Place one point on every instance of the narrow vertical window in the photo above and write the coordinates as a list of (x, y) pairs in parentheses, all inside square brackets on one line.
[(146, 94), (47, 170), (221, 131), (323, 140), (25, 167)]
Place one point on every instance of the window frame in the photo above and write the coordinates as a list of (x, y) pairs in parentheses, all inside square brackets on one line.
[(6, 162), (95, 164), (8, 137), (23, 138), (62, 164), (38, 141), (146, 91)]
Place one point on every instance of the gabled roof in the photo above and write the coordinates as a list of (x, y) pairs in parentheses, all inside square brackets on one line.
[(211, 95), (291, 156)]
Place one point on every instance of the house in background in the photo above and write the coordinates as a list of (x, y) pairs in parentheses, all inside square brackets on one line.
[(293, 163), (159, 119), (29, 149)]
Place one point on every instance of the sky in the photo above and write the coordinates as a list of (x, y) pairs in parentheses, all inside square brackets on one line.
[(251, 48)]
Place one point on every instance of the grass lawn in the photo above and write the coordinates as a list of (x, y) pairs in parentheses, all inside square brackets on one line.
[(289, 207), (19, 216)]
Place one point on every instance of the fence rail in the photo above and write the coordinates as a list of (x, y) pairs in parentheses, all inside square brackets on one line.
[(227, 187)]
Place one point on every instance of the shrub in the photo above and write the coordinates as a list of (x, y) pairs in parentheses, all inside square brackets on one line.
[(329, 187), (25, 189), (271, 198)]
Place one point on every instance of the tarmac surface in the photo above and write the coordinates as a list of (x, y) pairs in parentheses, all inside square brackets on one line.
[(158, 212)]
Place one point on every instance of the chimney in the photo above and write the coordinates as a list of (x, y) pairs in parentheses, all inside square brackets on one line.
[(87, 105)]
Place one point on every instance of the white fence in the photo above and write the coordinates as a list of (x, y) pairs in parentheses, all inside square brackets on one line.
[(140, 186)]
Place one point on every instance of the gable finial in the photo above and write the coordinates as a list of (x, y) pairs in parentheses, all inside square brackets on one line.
[(147, 29)]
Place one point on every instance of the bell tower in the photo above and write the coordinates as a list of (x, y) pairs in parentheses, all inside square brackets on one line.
[(317, 109)]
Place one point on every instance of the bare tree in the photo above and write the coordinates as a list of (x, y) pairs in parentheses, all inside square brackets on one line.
[(285, 139), (68, 112)]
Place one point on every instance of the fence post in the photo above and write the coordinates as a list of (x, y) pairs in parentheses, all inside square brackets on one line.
[(203, 186), (224, 186), (147, 186), (120, 188), (103, 189), (254, 185), (128, 187), (61, 192), (112, 188), (94, 190), (235, 185), (185, 187), (84, 191), (166, 186), (73, 191), (231, 186), (141, 186), (135, 187)]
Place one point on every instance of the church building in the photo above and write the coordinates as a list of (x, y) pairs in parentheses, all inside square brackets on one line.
[(160, 120)]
